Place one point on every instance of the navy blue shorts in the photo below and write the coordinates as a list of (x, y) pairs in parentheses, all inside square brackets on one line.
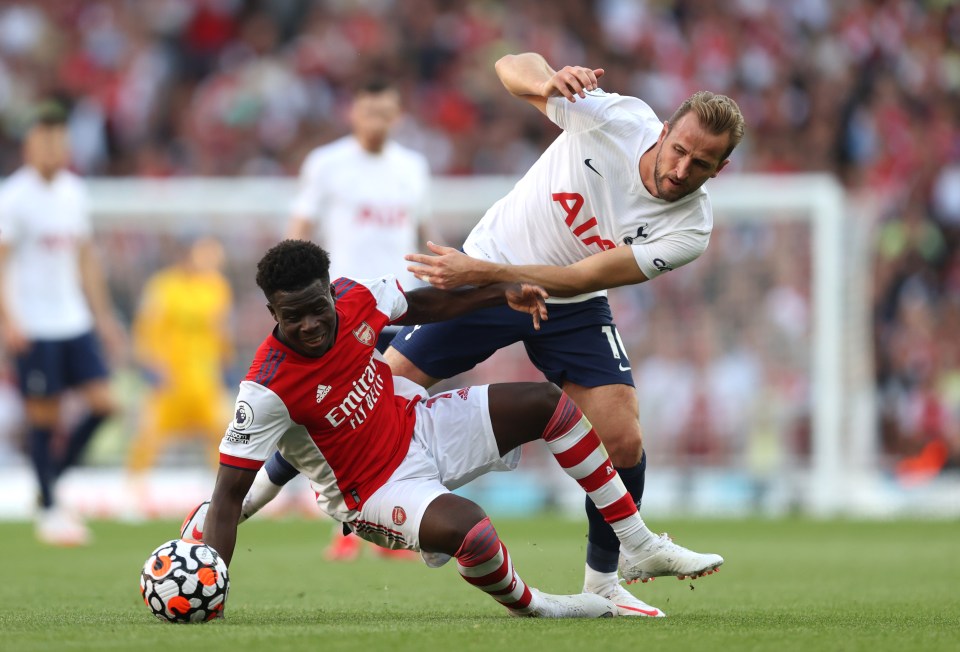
[(579, 343), (50, 367)]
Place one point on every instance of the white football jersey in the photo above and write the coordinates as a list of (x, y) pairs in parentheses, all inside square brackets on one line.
[(44, 224), (584, 196), (367, 207)]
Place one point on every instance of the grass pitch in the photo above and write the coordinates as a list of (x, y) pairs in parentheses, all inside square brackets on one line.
[(786, 585)]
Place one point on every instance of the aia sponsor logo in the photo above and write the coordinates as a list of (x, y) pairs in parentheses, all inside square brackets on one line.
[(399, 515), (588, 230), (365, 334)]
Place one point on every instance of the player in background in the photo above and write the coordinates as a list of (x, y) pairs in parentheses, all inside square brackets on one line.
[(183, 343), (383, 457), (617, 199), (54, 309), (365, 198)]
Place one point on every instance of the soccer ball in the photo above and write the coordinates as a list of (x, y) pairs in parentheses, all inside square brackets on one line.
[(184, 581)]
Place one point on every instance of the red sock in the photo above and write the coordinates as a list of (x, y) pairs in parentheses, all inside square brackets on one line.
[(578, 449), (484, 562)]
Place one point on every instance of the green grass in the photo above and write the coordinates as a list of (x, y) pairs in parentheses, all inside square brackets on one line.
[(786, 585)]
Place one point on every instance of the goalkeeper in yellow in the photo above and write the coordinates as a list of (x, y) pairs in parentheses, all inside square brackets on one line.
[(181, 340)]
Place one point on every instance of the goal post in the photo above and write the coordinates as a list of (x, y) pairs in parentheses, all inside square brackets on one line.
[(821, 199), (250, 213)]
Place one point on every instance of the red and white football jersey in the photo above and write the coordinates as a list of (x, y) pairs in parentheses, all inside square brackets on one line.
[(337, 418)]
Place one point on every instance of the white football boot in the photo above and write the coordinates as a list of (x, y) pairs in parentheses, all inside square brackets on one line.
[(56, 527), (663, 557), (626, 603), (581, 605), (192, 527)]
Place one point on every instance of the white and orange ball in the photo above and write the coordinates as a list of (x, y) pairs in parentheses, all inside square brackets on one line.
[(185, 581)]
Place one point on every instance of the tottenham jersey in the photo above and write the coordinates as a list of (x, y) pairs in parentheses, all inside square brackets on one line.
[(337, 418), (367, 206), (44, 223), (584, 195)]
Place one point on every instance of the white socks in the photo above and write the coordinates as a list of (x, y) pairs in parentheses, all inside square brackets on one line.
[(594, 581), (261, 492)]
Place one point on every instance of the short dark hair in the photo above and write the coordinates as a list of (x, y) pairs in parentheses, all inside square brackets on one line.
[(292, 265), (374, 86), (50, 113)]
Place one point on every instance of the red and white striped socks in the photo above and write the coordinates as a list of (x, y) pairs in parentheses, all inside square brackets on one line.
[(578, 449), (484, 562)]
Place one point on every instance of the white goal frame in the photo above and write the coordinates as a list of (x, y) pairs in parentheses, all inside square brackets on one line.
[(458, 202)]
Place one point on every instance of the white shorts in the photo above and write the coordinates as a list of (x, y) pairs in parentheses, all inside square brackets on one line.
[(452, 444)]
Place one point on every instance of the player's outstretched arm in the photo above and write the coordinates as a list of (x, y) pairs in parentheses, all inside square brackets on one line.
[(13, 338), (529, 77), (427, 305), (220, 527), (98, 296), (449, 268)]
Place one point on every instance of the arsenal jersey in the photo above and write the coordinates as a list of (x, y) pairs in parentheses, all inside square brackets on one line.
[(336, 418)]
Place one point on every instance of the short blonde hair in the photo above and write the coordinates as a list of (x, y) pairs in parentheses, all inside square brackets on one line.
[(718, 114)]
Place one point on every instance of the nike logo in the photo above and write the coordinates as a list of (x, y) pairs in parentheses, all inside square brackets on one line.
[(627, 368), (197, 534), (645, 612), (586, 162)]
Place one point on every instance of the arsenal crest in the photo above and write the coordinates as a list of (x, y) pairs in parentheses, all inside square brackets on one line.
[(365, 334), (399, 515)]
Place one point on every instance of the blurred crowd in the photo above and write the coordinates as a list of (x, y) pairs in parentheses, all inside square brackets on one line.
[(866, 89)]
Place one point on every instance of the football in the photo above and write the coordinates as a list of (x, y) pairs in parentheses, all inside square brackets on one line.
[(184, 581)]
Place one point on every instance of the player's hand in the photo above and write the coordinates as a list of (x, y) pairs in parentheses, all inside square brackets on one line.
[(571, 81), (447, 268), (14, 341), (114, 339), (531, 299)]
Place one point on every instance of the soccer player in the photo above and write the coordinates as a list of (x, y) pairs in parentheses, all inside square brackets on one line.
[(383, 457), (617, 199), (364, 197), (182, 340), (54, 304)]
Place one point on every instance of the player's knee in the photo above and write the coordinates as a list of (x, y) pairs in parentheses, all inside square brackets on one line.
[(104, 410), (99, 398), (448, 522), (625, 448), (479, 542), (546, 398), (401, 366), (42, 413)]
